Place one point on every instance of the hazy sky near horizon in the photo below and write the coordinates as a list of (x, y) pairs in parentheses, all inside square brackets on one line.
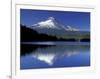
[(79, 20)]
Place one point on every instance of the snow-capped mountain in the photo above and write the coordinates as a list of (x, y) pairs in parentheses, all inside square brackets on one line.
[(53, 27), (49, 23), (52, 23)]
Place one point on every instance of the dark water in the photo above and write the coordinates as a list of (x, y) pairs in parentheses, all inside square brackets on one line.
[(54, 55)]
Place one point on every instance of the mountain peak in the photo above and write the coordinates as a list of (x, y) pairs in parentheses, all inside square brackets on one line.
[(51, 18), (52, 23), (49, 23)]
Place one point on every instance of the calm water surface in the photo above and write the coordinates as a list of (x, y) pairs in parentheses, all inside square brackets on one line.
[(35, 55)]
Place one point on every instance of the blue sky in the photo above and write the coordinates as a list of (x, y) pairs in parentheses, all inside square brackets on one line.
[(79, 20)]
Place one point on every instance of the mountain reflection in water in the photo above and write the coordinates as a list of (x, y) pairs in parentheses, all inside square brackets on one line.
[(54, 56)]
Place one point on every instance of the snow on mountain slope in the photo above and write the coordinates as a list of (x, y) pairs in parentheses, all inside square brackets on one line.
[(52, 23), (49, 23), (53, 27), (72, 29)]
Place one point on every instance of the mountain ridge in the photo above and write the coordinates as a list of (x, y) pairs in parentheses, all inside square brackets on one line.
[(52, 23), (29, 34)]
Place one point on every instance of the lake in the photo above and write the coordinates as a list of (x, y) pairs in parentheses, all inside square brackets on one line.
[(37, 55)]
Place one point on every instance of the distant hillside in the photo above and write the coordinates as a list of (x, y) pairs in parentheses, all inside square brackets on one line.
[(28, 34)]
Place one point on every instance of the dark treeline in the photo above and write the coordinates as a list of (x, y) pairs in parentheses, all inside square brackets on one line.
[(85, 40), (28, 34)]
